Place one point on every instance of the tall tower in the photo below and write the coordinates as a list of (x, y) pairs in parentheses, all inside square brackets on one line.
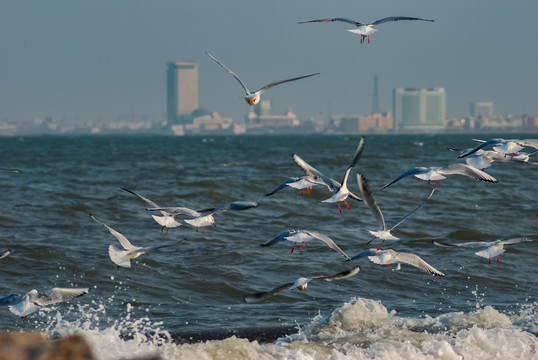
[(181, 89), (375, 98)]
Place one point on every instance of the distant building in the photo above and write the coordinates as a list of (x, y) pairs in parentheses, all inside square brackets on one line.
[(356, 124), (419, 109), (181, 89), (259, 119), (482, 109)]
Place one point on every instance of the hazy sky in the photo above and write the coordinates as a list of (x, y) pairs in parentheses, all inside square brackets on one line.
[(101, 58)]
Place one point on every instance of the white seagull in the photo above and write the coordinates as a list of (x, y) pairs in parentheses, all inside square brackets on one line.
[(201, 220), (368, 196), (301, 183), (303, 236), (365, 30), (300, 283), (252, 98), (23, 305), (122, 258), (492, 248), (504, 146), (167, 220), (438, 173), (343, 192), (387, 257), (10, 170)]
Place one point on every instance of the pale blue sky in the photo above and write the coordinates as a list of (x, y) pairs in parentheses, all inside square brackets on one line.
[(100, 58)]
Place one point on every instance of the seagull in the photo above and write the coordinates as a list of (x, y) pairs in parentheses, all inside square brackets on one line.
[(383, 233), (200, 220), (167, 221), (4, 254), (387, 257), (303, 182), (23, 305), (492, 248), (252, 98), (122, 258), (506, 147), (300, 283), (304, 236), (364, 30), (343, 192), (437, 173)]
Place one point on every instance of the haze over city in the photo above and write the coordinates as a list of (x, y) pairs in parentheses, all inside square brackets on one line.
[(99, 59)]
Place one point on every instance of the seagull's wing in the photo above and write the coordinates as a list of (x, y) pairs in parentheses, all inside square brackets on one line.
[(10, 170), (398, 18), (273, 84), (327, 240), (368, 197), (466, 244), (416, 261), (314, 173), (11, 299), (56, 295), (349, 21), (232, 206), (464, 169), (175, 211), (413, 171), (145, 199), (340, 276), (122, 239), (528, 143), (355, 160), (401, 220), (283, 185), (280, 237), (482, 145), (261, 296), (231, 73), (365, 253), (514, 241), (4, 254)]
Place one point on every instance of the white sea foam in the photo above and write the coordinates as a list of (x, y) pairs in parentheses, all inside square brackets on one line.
[(359, 329)]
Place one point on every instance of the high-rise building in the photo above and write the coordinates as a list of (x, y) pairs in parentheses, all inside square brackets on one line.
[(181, 89), (482, 109), (419, 109)]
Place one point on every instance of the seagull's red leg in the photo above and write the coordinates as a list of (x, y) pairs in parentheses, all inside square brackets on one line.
[(489, 261), (498, 258), (368, 39), (337, 203), (302, 192), (196, 229), (203, 229), (293, 247), (162, 228), (381, 245), (347, 205), (436, 182), (368, 243), (512, 156), (307, 191), (302, 244), (167, 230)]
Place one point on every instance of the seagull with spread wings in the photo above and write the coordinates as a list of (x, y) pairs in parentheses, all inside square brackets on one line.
[(300, 283), (252, 98), (365, 30)]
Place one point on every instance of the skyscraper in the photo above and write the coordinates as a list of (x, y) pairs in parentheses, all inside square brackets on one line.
[(482, 109), (181, 89), (419, 109)]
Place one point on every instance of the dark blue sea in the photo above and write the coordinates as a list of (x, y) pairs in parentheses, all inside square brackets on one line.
[(194, 288)]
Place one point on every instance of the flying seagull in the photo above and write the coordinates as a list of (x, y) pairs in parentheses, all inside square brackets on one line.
[(303, 182), (387, 257), (343, 192), (438, 173), (368, 197), (304, 236), (3, 254), (167, 220), (300, 283), (122, 258), (364, 30), (252, 98), (23, 305), (201, 220), (491, 248)]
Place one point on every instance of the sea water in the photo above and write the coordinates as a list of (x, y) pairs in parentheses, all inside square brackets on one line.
[(196, 285)]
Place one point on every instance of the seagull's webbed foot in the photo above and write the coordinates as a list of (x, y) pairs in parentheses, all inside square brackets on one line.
[(293, 247)]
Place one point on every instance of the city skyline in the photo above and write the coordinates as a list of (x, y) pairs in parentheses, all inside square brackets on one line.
[(100, 59)]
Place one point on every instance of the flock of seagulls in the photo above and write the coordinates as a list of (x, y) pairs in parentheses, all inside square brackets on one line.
[(173, 217)]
